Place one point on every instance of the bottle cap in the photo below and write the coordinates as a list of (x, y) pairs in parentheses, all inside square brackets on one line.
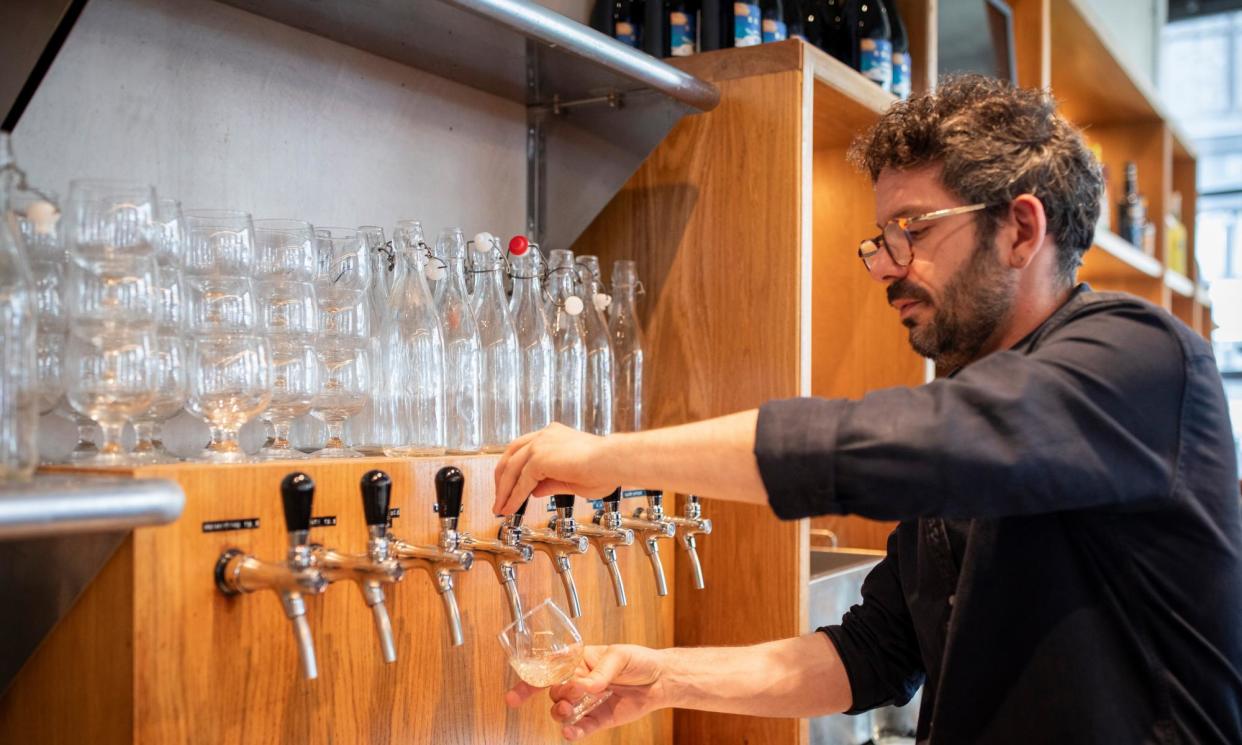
[(483, 242), (573, 305), (518, 245), (602, 301)]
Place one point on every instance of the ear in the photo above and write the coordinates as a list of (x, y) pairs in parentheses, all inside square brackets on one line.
[(1030, 225)]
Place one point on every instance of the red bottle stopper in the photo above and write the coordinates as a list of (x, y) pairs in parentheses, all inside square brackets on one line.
[(518, 245)]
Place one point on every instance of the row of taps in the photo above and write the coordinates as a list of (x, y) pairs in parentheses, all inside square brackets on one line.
[(308, 568)]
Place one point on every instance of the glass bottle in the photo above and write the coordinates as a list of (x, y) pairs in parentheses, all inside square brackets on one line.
[(498, 362), (409, 405), (568, 342), (19, 391), (598, 406), (461, 349), (530, 324), (627, 348)]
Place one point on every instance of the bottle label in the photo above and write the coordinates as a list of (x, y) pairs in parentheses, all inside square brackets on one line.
[(876, 61), (746, 25), (681, 34), (774, 30), (901, 75), (626, 33)]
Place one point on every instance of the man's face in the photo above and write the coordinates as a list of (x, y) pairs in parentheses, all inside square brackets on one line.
[(956, 292)]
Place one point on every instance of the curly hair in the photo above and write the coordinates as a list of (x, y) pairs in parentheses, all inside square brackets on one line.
[(995, 142)]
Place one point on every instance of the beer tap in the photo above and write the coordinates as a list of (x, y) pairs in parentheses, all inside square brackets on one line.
[(376, 567), (606, 533), (440, 562), (559, 540), (504, 554), (238, 572), (688, 526), (651, 525)]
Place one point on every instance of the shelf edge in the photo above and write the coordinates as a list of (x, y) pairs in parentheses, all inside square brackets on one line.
[(1120, 249)]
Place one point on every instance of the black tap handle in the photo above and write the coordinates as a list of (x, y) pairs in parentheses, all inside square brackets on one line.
[(297, 496), (565, 504), (376, 494), (450, 483), (656, 497), (693, 499), (614, 498), (521, 512)]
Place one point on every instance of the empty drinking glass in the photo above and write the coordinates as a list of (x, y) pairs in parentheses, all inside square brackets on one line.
[(343, 393), (285, 250), (296, 378), (109, 378), (230, 383), (218, 242), (37, 216), (170, 389), (343, 270), (108, 219)]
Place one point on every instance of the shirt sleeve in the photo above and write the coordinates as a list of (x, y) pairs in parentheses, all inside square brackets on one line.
[(1091, 418), (876, 641)]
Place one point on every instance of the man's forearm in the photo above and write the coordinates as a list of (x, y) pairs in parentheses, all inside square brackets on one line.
[(714, 457), (799, 677)]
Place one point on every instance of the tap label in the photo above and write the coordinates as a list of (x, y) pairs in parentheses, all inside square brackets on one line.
[(393, 514), (218, 526), (323, 521)]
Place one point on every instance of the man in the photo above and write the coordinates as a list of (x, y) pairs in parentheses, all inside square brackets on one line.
[(1067, 567)]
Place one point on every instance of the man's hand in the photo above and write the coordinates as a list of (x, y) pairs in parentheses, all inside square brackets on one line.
[(554, 460), (631, 672)]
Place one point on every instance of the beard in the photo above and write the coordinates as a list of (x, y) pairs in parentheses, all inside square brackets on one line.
[(976, 302)]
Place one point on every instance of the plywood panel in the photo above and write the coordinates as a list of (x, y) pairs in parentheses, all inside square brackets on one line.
[(920, 20), (713, 219), (208, 668), (1032, 42)]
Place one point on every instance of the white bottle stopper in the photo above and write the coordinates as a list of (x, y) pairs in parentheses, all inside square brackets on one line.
[(573, 305), (42, 216), (602, 301), (483, 242), (435, 270)]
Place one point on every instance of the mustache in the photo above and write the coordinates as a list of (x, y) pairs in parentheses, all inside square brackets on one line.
[(904, 289)]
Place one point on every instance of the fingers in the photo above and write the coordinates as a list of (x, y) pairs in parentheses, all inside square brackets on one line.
[(502, 464), (608, 666), (505, 503)]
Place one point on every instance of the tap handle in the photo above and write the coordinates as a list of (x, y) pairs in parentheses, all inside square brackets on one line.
[(614, 498), (297, 495), (692, 499), (521, 512), (450, 483), (655, 498), (376, 494), (564, 504)]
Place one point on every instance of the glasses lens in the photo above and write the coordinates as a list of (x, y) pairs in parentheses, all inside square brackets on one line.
[(898, 242), (868, 250)]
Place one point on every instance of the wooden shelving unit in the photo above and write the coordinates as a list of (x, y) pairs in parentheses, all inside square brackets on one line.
[(746, 220), (1062, 44)]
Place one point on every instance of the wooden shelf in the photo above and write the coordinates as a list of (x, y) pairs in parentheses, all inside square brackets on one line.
[(1179, 283), (1125, 257)]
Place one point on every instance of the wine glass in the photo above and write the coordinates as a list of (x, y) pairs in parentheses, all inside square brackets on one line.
[(218, 242), (108, 373), (230, 383), (285, 250), (544, 649), (344, 392), (296, 374), (107, 218), (170, 391)]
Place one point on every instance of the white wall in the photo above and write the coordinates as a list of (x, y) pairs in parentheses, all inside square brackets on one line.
[(1133, 26)]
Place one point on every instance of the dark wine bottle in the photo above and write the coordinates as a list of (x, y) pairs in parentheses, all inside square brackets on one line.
[(836, 33), (901, 51), (795, 19), (875, 47), (773, 14), (655, 29), (601, 17), (627, 22), (682, 21)]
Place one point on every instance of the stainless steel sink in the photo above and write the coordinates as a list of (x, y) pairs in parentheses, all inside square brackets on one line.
[(836, 584)]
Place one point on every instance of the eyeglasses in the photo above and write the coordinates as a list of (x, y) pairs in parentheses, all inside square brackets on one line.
[(896, 239)]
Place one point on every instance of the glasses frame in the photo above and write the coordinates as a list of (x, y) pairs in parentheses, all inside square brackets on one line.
[(870, 248)]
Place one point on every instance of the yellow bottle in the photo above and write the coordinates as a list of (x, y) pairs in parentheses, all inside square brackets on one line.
[(1176, 239)]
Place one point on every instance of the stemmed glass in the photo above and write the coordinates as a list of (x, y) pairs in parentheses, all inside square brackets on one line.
[(229, 358), (343, 269), (171, 386), (544, 649), (110, 301), (346, 388)]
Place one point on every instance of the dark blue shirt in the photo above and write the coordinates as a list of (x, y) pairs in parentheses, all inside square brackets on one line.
[(1068, 563)]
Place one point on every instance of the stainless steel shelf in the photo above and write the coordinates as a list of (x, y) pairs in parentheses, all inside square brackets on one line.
[(595, 107), (55, 504)]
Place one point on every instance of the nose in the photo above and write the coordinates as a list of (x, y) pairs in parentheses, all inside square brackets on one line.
[(884, 269)]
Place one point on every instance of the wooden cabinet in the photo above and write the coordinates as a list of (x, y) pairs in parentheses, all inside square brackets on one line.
[(1063, 44)]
